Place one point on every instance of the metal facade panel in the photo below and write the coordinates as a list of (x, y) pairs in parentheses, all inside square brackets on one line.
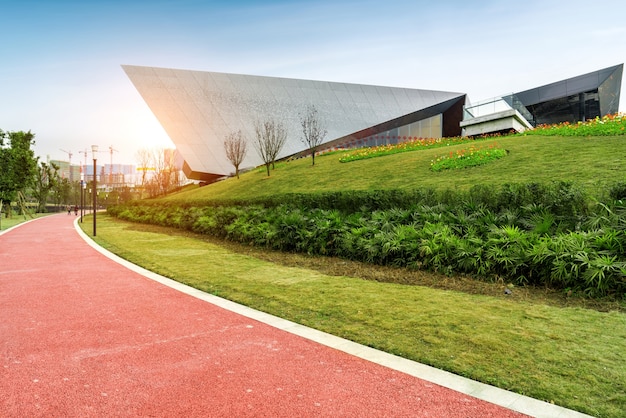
[(199, 109), (567, 87), (609, 90), (584, 83)]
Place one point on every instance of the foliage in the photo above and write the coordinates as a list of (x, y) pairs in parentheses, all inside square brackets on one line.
[(46, 180), (18, 164), (607, 125), (470, 157), (618, 191), (550, 235)]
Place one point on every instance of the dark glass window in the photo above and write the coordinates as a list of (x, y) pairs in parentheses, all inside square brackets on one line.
[(573, 108)]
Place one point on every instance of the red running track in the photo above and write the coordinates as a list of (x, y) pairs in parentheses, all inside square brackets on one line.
[(82, 336)]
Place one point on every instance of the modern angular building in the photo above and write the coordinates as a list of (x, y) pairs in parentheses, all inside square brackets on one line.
[(198, 110), (575, 99)]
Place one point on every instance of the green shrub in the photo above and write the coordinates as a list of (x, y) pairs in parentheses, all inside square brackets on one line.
[(618, 191), (541, 234)]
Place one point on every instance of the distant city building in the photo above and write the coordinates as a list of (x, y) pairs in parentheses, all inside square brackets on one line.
[(199, 109), (118, 175), (66, 171), (107, 175)]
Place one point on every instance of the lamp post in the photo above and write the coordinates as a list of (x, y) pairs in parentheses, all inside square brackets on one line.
[(94, 150), (82, 203)]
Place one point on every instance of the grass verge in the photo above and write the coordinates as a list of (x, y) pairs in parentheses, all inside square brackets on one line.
[(571, 356), (6, 223)]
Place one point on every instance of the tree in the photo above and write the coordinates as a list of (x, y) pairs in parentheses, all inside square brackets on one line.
[(46, 180), (62, 191), (144, 158), (236, 148), (166, 176), (18, 164), (269, 141), (313, 130), (126, 195)]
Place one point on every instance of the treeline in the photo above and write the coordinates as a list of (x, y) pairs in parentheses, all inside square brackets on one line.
[(554, 235), (24, 179)]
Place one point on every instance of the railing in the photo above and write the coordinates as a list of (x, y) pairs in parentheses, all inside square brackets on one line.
[(497, 104)]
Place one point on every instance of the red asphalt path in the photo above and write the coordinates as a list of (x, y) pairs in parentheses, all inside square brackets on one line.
[(83, 336)]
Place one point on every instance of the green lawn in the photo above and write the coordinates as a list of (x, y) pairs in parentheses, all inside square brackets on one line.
[(6, 223), (590, 161), (571, 356)]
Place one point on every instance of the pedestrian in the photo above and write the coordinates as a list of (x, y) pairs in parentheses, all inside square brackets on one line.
[(69, 209), (76, 210)]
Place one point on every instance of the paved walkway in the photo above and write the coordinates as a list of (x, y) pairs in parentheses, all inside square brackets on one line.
[(84, 334)]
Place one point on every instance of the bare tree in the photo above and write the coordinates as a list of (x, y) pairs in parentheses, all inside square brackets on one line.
[(269, 141), (236, 148), (165, 175), (144, 158), (313, 130)]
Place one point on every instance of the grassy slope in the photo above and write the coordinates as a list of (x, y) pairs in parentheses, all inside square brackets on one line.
[(590, 161)]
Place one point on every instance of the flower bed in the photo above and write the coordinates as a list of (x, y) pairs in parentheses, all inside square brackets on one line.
[(614, 124), (470, 157), (413, 145)]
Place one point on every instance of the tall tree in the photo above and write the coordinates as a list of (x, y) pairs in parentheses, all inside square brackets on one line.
[(269, 141), (313, 130), (46, 180), (18, 164), (236, 148)]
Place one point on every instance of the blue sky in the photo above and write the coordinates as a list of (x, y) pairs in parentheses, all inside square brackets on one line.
[(61, 74)]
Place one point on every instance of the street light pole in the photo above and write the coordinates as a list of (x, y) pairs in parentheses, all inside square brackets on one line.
[(94, 150), (82, 195)]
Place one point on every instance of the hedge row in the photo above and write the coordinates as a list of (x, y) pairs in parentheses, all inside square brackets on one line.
[(563, 197), (553, 235)]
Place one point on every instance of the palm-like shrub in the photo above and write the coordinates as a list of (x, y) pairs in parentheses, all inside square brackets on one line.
[(552, 235)]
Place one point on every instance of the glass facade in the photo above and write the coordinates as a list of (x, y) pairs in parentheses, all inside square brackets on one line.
[(608, 92), (575, 99), (573, 108)]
